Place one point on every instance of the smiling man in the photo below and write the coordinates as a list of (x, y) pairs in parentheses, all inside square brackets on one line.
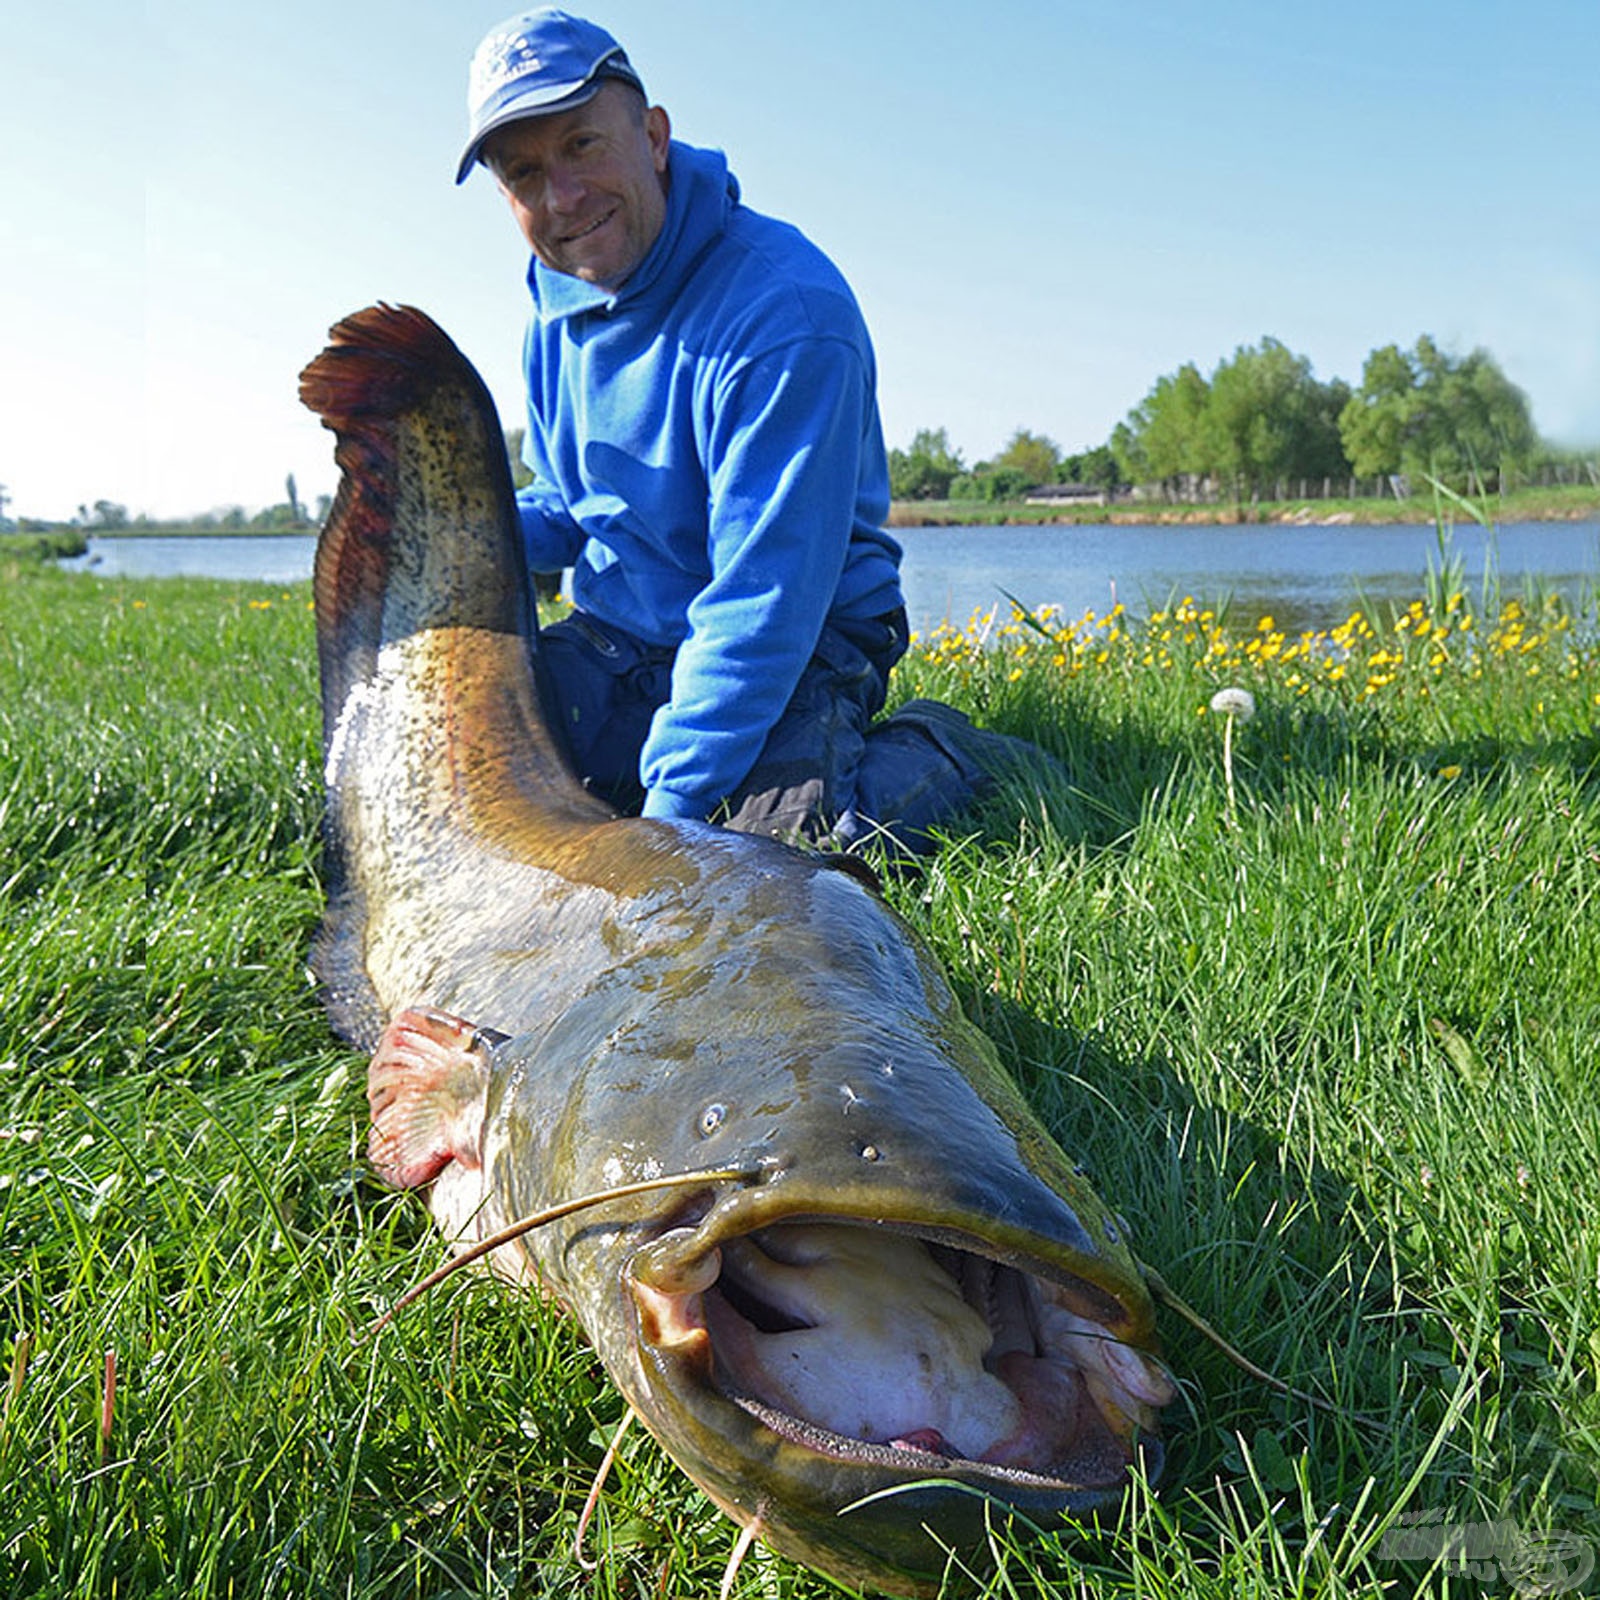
[(703, 433)]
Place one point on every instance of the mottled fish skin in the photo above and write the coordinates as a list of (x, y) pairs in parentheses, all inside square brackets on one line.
[(675, 997)]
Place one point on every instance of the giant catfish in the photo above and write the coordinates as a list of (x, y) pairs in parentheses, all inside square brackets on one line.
[(892, 1307)]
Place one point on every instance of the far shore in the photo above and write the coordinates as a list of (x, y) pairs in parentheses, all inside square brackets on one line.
[(1571, 503)]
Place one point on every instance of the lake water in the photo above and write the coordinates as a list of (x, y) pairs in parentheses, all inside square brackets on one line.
[(1303, 577), (267, 558)]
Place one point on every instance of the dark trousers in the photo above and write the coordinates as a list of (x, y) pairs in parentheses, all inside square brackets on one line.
[(607, 686), (827, 774)]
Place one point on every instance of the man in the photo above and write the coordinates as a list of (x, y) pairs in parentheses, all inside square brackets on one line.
[(703, 430)]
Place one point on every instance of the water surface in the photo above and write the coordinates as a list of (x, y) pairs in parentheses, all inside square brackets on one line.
[(266, 558), (1302, 577)]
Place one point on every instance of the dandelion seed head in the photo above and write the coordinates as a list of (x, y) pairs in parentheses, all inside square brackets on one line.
[(1234, 701)]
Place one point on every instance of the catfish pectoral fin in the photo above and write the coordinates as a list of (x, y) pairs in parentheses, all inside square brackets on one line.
[(426, 1086)]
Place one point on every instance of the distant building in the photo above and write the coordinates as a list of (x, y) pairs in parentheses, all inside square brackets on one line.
[(1079, 494)]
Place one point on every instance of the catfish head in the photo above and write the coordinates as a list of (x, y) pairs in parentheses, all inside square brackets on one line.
[(895, 1313)]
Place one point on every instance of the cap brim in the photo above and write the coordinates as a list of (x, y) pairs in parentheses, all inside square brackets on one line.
[(541, 103)]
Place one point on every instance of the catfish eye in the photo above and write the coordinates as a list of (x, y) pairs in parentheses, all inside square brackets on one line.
[(711, 1119)]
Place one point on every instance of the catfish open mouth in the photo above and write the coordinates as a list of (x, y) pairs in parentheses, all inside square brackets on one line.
[(869, 1343)]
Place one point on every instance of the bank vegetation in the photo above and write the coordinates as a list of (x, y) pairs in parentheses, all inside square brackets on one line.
[(1262, 428)]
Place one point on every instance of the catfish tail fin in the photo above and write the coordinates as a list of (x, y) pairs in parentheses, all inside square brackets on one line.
[(390, 384)]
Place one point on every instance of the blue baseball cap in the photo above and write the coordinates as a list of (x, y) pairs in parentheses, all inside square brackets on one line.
[(533, 64)]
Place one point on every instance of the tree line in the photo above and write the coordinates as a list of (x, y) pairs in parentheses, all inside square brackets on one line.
[(290, 515), (1262, 418)]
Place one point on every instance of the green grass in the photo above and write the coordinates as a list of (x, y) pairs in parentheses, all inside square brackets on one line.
[(1331, 1052), (48, 545)]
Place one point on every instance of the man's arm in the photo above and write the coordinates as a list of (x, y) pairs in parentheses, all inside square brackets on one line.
[(789, 468)]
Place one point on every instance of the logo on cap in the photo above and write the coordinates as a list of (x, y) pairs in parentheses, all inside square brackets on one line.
[(499, 61)]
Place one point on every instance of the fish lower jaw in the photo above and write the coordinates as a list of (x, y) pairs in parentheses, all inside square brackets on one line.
[(917, 1460), (874, 1346)]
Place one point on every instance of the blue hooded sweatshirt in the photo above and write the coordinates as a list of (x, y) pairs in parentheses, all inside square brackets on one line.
[(709, 461)]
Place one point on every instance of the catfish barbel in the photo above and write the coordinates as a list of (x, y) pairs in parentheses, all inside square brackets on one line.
[(892, 1306)]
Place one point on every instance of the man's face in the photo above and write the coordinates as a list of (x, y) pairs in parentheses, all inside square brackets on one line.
[(587, 186)]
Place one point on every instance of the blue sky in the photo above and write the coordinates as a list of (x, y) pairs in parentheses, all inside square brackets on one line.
[(1043, 205)]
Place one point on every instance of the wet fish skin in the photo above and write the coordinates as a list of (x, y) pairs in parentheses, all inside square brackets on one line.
[(948, 1161), (674, 997)]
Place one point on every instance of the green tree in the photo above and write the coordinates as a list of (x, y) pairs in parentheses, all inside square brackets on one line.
[(1377, 417), (1268, 419), (1161, 441), (280, 517), (926, 470), (1098, 467), (1030, 456), (1488, 430), (990, 483), (1423, 412)]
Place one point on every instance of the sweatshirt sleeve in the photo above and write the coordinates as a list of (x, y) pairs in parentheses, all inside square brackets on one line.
[(784, 473), (551, 540)]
